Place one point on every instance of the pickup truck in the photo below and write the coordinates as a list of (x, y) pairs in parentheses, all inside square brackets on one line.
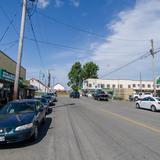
[(100, 96), (141, 95)]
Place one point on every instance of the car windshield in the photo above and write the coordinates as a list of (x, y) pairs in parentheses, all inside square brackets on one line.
[(14, 108)]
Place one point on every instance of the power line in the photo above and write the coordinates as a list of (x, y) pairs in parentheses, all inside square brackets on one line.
[(35, 40), (6, 30), (72, 48), (86, 31), (59, 45), (10, 46), (8, 43), (129, 63), (10, 21)]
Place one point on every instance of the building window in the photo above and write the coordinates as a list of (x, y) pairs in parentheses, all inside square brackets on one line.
[(129, 86), (149, 86), (121, 86), (108, 85), (134, 85), (113, 86), (90, 85), (143, 85), (102, 85), (99, 85)]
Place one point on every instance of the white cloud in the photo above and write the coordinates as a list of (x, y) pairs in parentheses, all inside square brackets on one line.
[(43, 3), (140, 23), (76, 3)]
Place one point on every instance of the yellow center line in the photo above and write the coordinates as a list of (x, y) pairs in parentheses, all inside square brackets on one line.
[(132, 121)]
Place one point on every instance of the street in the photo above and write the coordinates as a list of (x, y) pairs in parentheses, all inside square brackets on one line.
[(85, 129)]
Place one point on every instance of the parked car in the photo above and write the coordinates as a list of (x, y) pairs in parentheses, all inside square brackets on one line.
[(151, 103), (74, 94), (20, 120), (100, 95), (53, 95), (50, 99), (45, 103), (141, 95)]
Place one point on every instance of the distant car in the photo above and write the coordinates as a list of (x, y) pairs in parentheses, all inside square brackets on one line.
[(74, 94), (100, 95), (151, 103), (45, 103), (20, 120)]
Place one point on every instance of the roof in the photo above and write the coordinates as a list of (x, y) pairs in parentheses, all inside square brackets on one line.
[(40, 83), (23, 100)]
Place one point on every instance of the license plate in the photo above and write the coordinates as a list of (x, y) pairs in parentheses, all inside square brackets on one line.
[(2, 139)]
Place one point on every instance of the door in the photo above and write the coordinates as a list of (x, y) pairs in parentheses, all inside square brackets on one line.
[(145, 103)]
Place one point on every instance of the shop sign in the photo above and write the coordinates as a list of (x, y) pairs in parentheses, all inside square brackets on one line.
[(158, 80), (8, 76)]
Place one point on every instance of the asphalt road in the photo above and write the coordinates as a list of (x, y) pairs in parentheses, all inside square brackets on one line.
[(85, 129)]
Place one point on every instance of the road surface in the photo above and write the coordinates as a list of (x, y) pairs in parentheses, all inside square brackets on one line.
[(85, 129)]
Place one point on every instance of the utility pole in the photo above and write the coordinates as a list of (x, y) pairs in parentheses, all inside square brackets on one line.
[(20, 48), (140, 82), (153, 66), (49, 79)]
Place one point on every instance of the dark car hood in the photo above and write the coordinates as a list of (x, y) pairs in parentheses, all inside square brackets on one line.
[(14, 120)]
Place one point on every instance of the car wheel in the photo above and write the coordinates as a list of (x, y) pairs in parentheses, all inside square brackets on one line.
[(137, 106), (153, 108), (99, 99)]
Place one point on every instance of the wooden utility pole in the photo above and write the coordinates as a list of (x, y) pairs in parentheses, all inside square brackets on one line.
[(20, 48), (153, 66)]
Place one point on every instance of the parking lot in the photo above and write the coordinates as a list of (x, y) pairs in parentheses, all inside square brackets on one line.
[(85, 129)]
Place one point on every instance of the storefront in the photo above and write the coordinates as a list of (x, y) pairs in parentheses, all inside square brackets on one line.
[(6, 86)]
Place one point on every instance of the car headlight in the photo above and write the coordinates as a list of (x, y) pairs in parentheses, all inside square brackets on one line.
[(26, 126)]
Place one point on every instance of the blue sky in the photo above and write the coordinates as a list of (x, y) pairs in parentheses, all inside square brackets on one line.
[(126, 25)]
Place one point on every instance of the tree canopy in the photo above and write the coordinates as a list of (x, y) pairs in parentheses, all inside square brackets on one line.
[(78, 73)]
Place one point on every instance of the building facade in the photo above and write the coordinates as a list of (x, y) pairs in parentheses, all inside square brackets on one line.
[(92, 84), (7, 77), (41, 87), (59, 87)]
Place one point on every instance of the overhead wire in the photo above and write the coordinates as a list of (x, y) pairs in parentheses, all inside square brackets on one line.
[(35, 40), (129, 63), (10, 46), (7, 28), (87, 31)]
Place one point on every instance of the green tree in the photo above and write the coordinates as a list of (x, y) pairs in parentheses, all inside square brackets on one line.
[(75, 76), (90, 70)]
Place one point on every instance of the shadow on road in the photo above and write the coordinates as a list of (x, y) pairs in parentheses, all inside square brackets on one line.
[(65, 105), (42, 133)]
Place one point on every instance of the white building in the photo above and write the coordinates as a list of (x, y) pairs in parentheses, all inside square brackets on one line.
[(41, 86), (59, 87), (115, 84)]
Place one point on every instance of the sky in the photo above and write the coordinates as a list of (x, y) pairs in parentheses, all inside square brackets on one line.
[(110, 33)]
